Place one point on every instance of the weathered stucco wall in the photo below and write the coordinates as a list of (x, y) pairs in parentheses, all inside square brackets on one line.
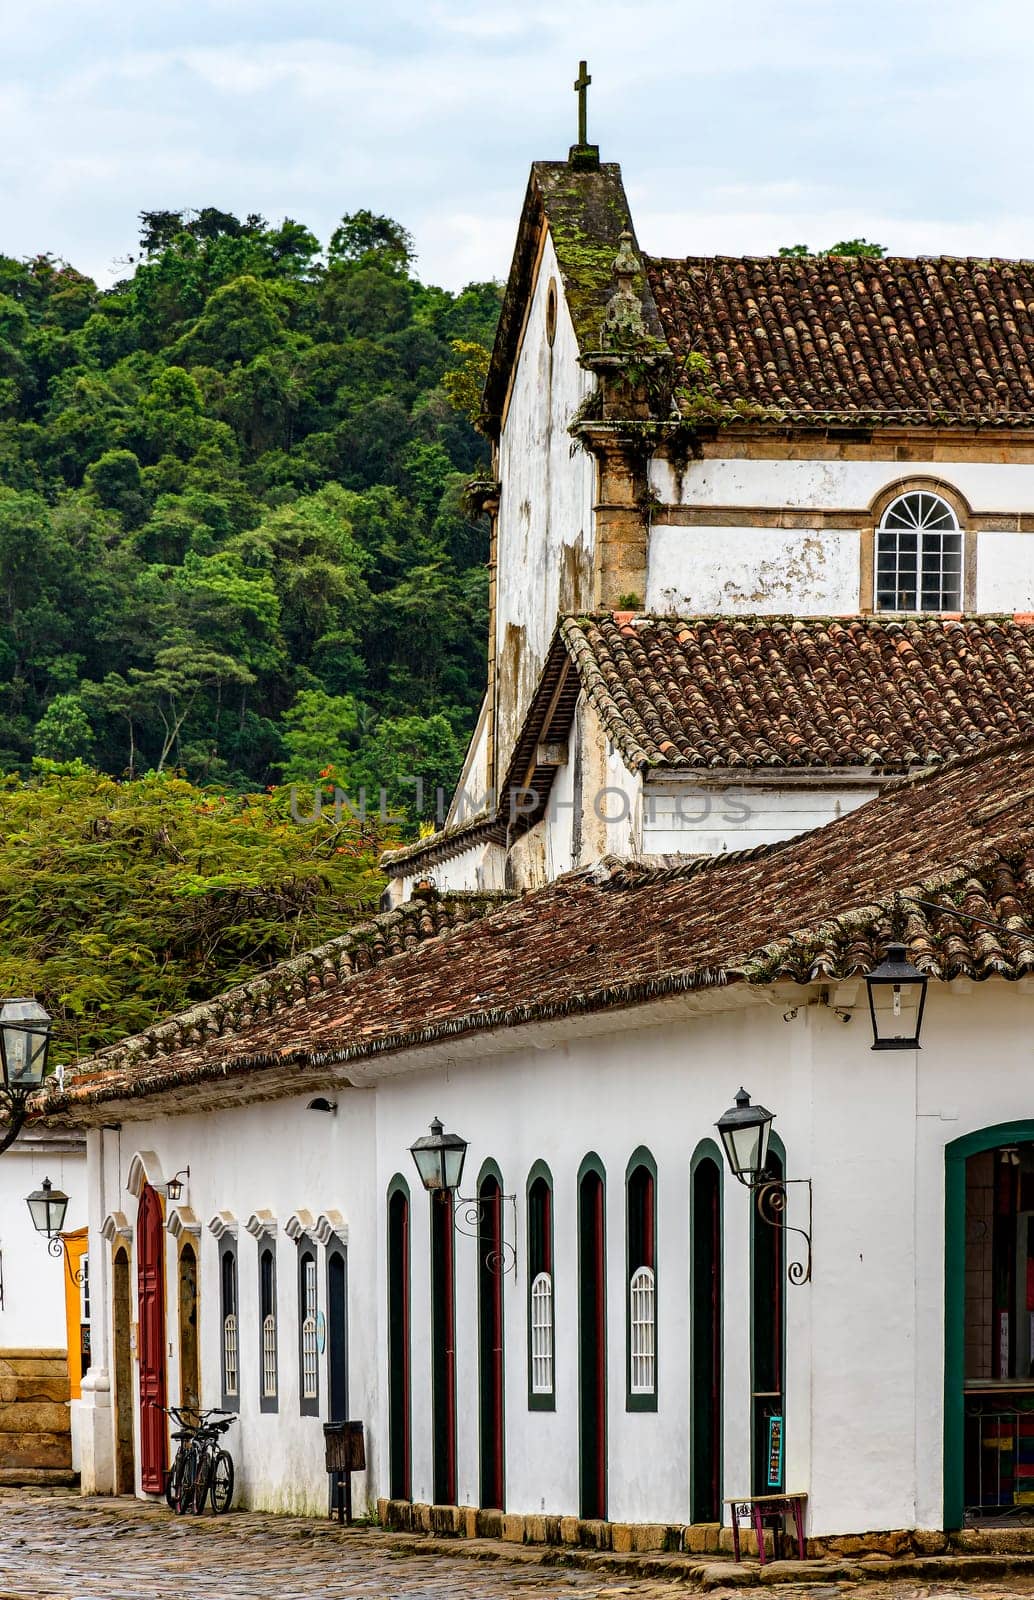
[(812, 484), (545, 510), (744, 566), (741, 571)]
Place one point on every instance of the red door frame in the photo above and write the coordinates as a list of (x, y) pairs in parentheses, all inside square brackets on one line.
[(150, 1258)]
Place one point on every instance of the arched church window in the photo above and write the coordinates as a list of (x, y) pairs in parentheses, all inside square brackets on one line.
[(919, 555)]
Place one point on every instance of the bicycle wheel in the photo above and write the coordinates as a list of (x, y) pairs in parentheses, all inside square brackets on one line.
[(222, 1481), (185, 1489), (172, 1480), (202, 1480)]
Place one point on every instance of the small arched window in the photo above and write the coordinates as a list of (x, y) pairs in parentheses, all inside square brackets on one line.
[(230, 1342), (541, 1380), (919, 555), (308, 1348), (267, 1312), (642, 1282)]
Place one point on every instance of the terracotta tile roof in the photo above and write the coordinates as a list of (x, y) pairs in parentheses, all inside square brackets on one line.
[(817, 906), (364, 946), (721, 692), (932, 340)]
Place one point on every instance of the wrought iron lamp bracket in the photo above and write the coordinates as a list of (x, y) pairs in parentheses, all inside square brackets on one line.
[(770, 1199), (56, 1246), (14, 1106), (468, 1218)]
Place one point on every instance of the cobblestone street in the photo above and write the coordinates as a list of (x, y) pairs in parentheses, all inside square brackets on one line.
[(58, 1546), (55, 1546)]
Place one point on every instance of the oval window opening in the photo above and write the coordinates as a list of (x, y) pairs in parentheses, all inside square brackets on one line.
[(551, 312)]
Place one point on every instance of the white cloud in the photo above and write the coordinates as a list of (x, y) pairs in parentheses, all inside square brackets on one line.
[(739, 127)]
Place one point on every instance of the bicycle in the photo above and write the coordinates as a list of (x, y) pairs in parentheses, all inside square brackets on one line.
[(199, 1470), (179, 1476), (213, 1476)]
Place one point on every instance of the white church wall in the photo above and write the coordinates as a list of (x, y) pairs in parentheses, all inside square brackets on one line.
[(545, 532), (32, 1313), (740, 571), (1005, 572), (480, 867), (817, 485), (688, 817)]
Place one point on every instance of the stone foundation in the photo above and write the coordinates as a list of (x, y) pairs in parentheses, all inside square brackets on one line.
[(698, 1538), (35, 1426)]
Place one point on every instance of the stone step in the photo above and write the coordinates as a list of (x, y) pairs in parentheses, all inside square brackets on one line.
[(33, 1416), (38, 1477), (36, 1450), (34, 1363), (31, 1386)]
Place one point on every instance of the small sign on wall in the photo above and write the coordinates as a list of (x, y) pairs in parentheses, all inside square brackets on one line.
[(775, 1452)]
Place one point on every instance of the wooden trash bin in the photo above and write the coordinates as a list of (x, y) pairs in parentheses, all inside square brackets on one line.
[(345, 1445)]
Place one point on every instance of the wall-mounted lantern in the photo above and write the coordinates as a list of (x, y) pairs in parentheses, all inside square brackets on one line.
[(24, 1045), (745, 1131), (897, 996), (439, 1158), (47, 1208)]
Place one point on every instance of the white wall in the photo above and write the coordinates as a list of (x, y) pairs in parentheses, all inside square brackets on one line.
[(864, 1337), (32, 1316), (694, 819), (988, 486), (740, 571), (283, 1158), (545, 533)]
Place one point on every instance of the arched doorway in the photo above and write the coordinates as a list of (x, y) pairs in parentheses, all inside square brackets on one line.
[(706, 1335), (400, 1482), (150, 1241), (490, 1340), (989, 1326), (767, 1346), (443, 1349), (592, 1340), (190, 1363), (122, 1316), (337, 1334)]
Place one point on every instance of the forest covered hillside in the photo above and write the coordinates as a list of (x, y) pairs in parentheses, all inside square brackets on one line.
[(232, 535)]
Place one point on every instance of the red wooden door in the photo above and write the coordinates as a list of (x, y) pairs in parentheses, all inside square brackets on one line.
[(151, 1340)]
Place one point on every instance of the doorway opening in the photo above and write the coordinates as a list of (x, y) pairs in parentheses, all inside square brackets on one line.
[(150, 1244), (121, 1310), (490, 1339), (190, 1361), (592, 1341)]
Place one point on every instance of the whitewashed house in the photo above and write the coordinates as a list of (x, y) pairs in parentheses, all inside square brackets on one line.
[(760, 541)]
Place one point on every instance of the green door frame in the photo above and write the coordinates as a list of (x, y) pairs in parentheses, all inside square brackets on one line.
[(956, 1154)]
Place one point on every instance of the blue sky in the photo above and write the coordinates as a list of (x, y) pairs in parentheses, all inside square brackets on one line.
[(739, 126)]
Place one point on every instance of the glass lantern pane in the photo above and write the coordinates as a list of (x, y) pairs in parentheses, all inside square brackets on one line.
[(896, 1009), (454, 1166)]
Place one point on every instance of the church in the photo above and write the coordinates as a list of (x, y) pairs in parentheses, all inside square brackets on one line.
[(760, 711)]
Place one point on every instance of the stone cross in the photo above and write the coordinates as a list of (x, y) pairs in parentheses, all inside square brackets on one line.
[(581, 84)]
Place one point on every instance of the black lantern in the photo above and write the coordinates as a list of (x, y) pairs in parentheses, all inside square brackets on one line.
[(174, 1187), (439, 1158), (897, 995), (24, 1041), (745, 1129), (47, 1207)]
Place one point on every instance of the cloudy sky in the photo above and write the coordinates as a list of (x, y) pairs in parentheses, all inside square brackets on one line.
[(740, 125)]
